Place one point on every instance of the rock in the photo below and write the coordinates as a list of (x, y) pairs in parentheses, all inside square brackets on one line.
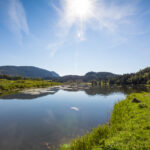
[(134, 100)]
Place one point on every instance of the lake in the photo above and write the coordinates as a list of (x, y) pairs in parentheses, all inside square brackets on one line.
[(31, 122)]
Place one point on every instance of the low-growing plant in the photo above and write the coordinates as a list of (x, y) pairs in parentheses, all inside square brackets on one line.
[(142, 105)]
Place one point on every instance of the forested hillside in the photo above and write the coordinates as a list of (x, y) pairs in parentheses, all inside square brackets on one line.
[(141, 77)]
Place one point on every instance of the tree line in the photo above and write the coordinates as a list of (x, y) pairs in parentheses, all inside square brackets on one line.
[(141, 77)]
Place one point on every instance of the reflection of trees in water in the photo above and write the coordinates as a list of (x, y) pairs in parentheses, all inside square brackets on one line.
[(27, 96), (107, 90), (103, 90)]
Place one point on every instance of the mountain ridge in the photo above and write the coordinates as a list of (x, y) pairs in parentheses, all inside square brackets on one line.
[(27, 71), (35, 72), (89, 76)]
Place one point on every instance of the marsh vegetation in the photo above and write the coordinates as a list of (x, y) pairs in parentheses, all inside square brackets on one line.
[(8, 86)]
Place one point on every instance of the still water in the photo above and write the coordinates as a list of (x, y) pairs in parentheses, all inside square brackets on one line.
[(27, 122)]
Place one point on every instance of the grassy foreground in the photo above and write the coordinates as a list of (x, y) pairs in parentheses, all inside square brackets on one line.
[(128, 128), (15, 85)]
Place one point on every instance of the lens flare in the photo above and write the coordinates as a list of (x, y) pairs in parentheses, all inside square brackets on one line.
[(80, 9)]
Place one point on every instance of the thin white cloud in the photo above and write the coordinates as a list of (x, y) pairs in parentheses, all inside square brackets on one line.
[(17, 18), (53, 47)]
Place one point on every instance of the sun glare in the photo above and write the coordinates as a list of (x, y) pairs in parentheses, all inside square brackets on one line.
[(81, 9)]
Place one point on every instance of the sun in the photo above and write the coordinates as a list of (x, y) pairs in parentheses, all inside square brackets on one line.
[(80, 9)]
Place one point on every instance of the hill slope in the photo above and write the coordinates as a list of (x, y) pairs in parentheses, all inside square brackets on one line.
[(141, 77), (27, 71), (98, 76), (87, 77)]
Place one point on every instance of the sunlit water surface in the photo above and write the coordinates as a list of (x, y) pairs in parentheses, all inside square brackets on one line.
[(28, 122)]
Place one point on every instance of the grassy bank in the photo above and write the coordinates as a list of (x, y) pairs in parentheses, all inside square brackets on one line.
[(128, 128), (16, 85)]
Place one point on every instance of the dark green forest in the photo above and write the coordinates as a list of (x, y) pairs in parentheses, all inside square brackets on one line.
[(140, 77)]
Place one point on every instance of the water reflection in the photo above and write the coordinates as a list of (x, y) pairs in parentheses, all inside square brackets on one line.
[(104, 91), (107, 90), (25, 96), (49, 119)]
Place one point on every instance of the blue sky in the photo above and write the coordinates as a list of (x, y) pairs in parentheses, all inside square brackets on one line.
[(76, 36)]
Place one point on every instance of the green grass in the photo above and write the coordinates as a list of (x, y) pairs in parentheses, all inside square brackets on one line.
[(128, 128), (15, 85)]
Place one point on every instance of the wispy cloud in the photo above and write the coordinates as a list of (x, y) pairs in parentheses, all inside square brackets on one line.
[(17, 18), (53, 47), (80, 15)]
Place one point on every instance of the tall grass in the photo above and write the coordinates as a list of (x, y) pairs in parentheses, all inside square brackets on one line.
[(128, 129)]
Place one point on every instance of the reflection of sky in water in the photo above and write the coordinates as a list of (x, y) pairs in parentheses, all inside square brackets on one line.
[(27, 124)]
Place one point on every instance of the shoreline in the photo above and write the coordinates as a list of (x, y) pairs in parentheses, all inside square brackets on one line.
[(127, 128), (12, 86)]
